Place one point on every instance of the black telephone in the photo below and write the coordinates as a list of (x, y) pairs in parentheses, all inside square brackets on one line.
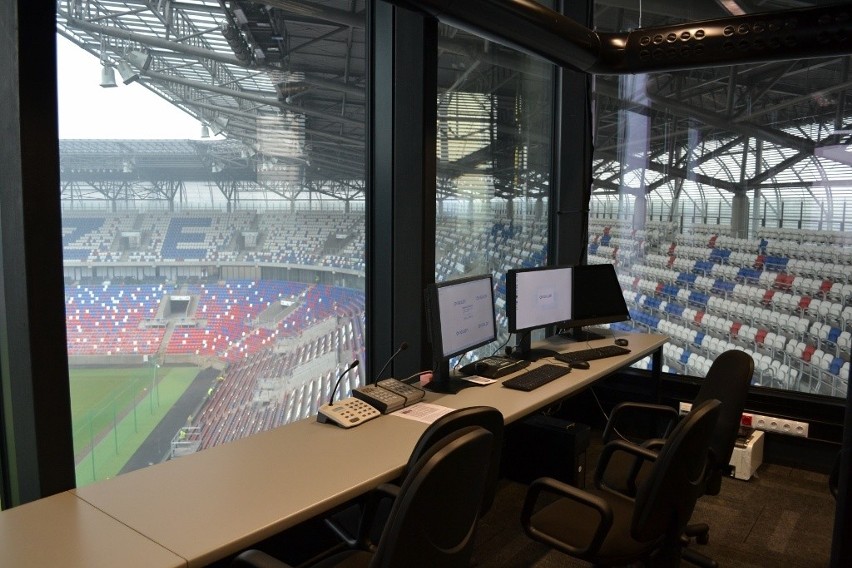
[(389, 395)]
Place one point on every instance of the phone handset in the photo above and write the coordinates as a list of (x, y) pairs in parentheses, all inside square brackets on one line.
[(347, 413)]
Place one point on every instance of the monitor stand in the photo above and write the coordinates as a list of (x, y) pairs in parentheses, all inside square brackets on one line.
[(523, 350), (581, 334), (445, 381)]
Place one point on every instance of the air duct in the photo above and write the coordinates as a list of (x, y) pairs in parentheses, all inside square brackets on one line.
[(532, 28)]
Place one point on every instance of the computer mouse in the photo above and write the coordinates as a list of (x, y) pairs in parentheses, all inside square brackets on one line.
[(580, 365), (621, 341)]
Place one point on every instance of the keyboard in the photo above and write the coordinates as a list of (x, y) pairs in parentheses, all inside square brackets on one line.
[(592, 354), (537, 377)]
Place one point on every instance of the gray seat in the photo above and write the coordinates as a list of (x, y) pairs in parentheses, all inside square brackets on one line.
[(608, 528), (727, 380), (362, 523), (433, 518)]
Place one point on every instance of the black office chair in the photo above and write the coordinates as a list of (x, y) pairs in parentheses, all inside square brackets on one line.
[(608, 528), (360, 524), (727, 380), (434, 514)]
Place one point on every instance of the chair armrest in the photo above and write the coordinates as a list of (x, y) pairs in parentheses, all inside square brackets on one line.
[(551, 486), (369, 513), (640, 454), (621, 410), (257, 559), (388, 489)]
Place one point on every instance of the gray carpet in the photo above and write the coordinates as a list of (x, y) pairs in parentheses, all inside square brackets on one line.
[(782, 517)]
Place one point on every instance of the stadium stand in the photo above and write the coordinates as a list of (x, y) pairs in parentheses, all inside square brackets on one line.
[(783, 296)]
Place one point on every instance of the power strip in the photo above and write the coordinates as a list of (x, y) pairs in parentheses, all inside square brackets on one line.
[(765, 423)]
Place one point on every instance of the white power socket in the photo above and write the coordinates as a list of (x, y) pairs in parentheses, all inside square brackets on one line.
[(765, 423), (779, 425)]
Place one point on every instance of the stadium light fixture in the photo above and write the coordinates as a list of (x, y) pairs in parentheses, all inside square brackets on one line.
[(140, 59), (218, 125), (108, 77), (128, 75), (205, 131)]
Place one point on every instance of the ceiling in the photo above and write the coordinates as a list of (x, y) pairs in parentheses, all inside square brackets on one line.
[(285, 81)]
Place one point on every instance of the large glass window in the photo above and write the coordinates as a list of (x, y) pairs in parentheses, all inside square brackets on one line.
[(493, 162), (212, 190), (723, 196)]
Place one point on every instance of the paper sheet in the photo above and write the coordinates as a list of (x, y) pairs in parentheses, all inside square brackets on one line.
[(423, 412)]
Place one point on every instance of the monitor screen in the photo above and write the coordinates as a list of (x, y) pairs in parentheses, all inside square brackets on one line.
[(598, 297), (538, 297), (461, 315)]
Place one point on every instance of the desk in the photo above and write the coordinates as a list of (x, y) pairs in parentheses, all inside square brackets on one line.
[(214, 503), (62, 530)]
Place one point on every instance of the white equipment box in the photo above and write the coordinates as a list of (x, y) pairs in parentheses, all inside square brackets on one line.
[(748, 455)]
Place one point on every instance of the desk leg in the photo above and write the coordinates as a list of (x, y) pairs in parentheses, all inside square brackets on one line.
[(657, 371)]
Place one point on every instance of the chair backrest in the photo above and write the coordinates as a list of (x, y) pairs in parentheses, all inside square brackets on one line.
[(433, 520), (484, 416), (727, 381), (665, 500)]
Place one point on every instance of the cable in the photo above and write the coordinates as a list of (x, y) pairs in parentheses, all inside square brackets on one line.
[(605, 415)]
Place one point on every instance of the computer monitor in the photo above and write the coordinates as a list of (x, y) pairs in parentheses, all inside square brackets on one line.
[(537, 298), (460, 317), (598, 299)]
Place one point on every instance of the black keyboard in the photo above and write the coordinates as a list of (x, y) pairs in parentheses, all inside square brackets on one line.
[(537, 377), (592, 354)]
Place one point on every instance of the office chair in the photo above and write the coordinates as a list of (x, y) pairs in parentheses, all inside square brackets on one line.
[(366, 516), (608, 528), (727, 380), (434, 514)]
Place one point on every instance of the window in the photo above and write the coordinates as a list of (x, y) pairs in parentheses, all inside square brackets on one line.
[(493, 162), (723, 197), (212, 191)]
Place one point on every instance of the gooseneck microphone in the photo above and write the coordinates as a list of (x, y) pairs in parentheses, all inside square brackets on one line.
[(402, 347), (351, 366)]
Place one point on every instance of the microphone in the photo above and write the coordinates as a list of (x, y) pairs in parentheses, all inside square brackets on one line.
[(351, 366), (402, 347)]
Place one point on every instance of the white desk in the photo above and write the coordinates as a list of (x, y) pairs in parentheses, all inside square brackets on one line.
[(64, 531), (517, 404), (214, 503)]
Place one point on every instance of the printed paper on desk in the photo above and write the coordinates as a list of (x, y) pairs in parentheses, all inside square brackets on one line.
[(423, 412)]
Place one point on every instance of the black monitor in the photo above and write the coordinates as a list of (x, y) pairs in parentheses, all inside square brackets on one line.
[(598, 299), (537, 298), (460, 317)]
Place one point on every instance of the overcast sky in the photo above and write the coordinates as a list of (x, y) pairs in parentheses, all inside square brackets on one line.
[(87, 110)]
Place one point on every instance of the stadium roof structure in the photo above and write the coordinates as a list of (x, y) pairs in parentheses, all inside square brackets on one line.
[(285, 81)]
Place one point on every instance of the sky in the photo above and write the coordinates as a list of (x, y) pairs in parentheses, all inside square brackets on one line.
[(87, 110)]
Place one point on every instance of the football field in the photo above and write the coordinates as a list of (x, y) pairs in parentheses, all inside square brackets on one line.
[(114, 409)]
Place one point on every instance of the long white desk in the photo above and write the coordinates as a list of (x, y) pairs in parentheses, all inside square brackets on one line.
[(63, 530), (214, 503)]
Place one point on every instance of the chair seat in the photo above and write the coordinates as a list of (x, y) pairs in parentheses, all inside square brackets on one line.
[(568, 521)]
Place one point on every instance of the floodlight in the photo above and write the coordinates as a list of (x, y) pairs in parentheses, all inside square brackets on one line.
[(205, 132), (108, 77), (128, 75), (218, 125), (140, 59)]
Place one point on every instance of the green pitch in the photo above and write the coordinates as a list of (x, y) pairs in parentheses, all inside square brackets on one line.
[(115, 409)]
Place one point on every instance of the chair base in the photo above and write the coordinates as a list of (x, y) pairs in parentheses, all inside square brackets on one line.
[(698, 559)]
